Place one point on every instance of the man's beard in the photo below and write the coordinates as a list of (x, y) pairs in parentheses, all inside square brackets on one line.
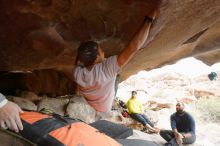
[(180, 112)]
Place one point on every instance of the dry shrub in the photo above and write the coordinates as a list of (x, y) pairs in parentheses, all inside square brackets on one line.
[(209, 109)]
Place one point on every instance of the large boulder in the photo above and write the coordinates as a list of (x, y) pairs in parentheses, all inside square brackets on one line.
[(23, 103), (80, 109), (45, 81), (56, 105), (44, 34), (30, 96)]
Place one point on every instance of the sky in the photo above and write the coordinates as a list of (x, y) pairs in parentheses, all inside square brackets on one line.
[(190, 67)]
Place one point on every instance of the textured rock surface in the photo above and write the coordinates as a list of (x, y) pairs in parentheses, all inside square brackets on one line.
[(46, 82), (55, 105), (30, 96), (184, 28), (80, 109), (23, 103)]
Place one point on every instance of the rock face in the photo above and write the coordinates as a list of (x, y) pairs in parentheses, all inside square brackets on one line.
[(44, 34), (46, 82), (25, 104), (54, 105), (80, 109)]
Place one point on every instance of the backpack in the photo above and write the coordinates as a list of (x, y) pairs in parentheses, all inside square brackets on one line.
[(212, 76), (125, 113), (122, 104)]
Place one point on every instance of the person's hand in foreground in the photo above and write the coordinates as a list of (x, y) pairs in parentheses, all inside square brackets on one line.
[(9, 117)]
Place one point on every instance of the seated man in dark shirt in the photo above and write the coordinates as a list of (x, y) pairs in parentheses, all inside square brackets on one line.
[(183, 128)]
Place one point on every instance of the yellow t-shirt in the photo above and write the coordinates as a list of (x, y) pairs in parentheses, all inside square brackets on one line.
[(134, 106)]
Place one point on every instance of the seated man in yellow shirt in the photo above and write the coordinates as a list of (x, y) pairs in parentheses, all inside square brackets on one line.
[(136, 111)]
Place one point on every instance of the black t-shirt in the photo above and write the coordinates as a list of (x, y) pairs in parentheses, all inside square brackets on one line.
[(183, 123)]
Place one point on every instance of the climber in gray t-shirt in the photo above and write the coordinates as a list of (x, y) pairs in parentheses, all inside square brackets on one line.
[(102, 77), (96, 75)]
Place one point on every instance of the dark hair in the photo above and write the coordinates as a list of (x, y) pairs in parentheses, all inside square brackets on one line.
[(87, 53), (180, 104), (134, 92)]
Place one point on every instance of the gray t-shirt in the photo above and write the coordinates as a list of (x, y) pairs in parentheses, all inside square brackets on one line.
[(97, 84)]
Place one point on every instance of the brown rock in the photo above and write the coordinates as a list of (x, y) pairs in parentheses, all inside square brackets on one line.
[(155, 106), (80, 109), (184, 28), (38, 82), (23, 103), (186, 100), (55, 105), (30, 96)]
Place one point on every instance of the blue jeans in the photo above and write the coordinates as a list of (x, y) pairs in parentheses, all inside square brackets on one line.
[(142, 119)]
